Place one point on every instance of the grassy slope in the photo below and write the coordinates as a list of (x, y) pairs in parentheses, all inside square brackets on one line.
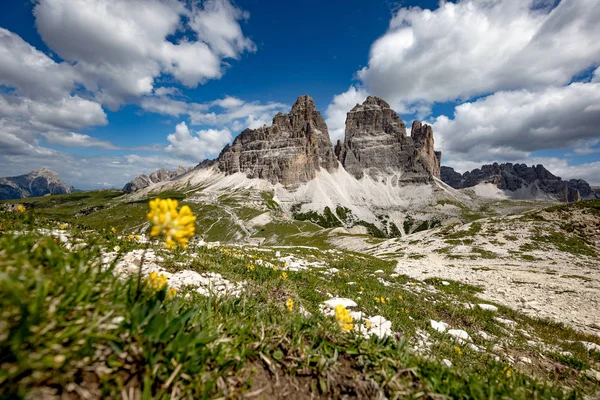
[(57, 335)]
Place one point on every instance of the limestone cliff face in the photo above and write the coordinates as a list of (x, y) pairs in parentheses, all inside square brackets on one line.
[(376, 144), (422, 135), (290, 151)]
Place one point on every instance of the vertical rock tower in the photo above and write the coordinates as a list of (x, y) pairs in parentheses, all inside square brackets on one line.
[(290, 151), (376, 144)]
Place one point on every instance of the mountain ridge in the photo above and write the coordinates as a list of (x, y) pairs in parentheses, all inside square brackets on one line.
[(39, 182), (522, 180)]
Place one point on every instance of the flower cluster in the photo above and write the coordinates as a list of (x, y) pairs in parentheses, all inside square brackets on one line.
[(290, 304), (21, 208), (343, 318), (156, 281), (176, 226), (284, 276), (382, 300)]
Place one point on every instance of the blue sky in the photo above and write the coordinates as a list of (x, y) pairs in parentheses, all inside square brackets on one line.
[(101, 91)]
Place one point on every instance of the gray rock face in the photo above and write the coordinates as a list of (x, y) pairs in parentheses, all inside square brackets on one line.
[(513, 177), (422, 136), (290, 151), (376, 143), (160, 175), (36, 183)]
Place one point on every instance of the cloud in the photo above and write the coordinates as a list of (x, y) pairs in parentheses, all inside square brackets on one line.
[(119, 47), (216, 24), (30, 71), (477, 47), (72, 139), (339, 107), (512, 124), (229, 112), (196, 146)]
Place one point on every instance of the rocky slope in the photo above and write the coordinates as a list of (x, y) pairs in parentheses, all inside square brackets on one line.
[(160, 175), (376, 144), (36, 183), (290, 151), (535, 181)]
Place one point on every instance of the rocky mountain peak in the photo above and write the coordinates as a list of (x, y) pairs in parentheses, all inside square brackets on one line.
[(36, 183), (160, 175), (422, 136), (290, 151), (376, 144)]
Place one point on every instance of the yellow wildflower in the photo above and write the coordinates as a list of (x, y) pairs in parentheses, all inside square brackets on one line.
[(344, 319), (284, 276), (509, 373), (172, 292), (274, 267), (63, 226), (21, 208), (176, 226), (113, 229), (290, 304), (400, 298), (458, 350), (250, 267), (382, 300), (362, 288), (156, 281), (368, 324)]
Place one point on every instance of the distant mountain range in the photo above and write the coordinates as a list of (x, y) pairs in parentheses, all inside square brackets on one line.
[(36, 183), (160, 175), (521, 181)]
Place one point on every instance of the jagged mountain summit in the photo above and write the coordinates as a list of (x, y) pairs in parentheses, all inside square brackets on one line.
[(290, 151), (160, 175), (33, 184), (297, 145), (376, 144), (520, 181)]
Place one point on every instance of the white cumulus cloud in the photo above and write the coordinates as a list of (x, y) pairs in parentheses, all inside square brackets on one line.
[(196, 146), (477, 47)]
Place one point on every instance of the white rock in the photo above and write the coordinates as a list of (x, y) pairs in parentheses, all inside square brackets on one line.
[(474, 347), (377, 325), (525, 360), (439, 326), (589, 346), (507, 322), (497, 349), (484, 335), (332, 303), (592, 374), (447, 362), (488, 307), (459, 334), (445, 283)]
